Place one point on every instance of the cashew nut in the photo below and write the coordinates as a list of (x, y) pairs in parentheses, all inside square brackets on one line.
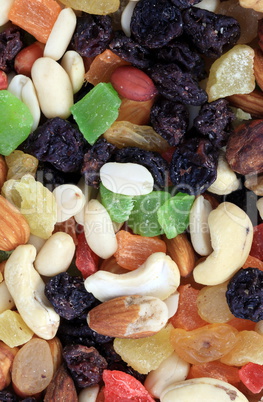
[(159, 276), (231, 238), (226, 179), (27, 289)]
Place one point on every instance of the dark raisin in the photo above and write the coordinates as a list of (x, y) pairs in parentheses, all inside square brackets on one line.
[(245, 294), (176, 85), (131, 51), (170, 120), (153, 161), (57, 142), (29, 399), (94, 159), (214, 121), (193, 166), (50, 177), (211, 33), (182, 4), (85, 364), (10, 44), (7, 396), (68, 295), (155, 22), (92, 34)]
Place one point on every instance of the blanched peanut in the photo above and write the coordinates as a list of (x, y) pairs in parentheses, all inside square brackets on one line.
[(6, 300), (89, 394), (5, 6), (70, 200), (126, 17), (198, 226), (210, 5), (56, 254), (73, 63), (36, 241)]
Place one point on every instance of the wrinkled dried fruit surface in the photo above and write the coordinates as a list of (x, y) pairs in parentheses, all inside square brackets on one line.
[(10, 44)]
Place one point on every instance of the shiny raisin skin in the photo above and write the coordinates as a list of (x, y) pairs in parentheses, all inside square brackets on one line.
[(92, 34), (155, 22), (10, 44), (85, 364), (182, 4), (245, 294), (211, 33), (193, 166)]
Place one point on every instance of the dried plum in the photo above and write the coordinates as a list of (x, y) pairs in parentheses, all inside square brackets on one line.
[(85, 364), (153, 161), (68, 295), (193, 166), (244, 294), (94, 159), (50, 177), (170, 120), (92, 34), (57, 142), (174, 84), (10, 44), (155, 22), (214, 121), (211, 33)]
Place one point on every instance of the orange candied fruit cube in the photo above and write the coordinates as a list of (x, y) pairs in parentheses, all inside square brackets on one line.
[(36, 17), (253, 262), (133, 250), (215, 369), (241, 324)]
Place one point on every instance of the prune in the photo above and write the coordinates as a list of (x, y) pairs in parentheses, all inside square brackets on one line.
[(50, 177), (170, 120), (174, 84), (94, 159), (193, 166), (153, 161), (214, 121), (155, 22), (92, 34), (57, 142), (85, 364), (7, 396), (10, 44), (211, 33), (244, 294), (131, 51), (68, 295), (182, 4)]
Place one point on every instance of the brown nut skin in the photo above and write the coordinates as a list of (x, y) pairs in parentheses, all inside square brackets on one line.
[(244, 151)]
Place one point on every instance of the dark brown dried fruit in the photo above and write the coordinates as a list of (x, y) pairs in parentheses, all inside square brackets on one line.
[(244, 150), (185, 3), (10, 44)]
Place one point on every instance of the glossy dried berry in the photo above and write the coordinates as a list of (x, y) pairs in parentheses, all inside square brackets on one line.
[(94, 159), (85, 364), (10, 44), (245, 294), (182, 4), (193, 166), (176, 85), (68, 295), (154, 23), (7, 396), (153, 161), (57, 142), (170, 120), (211, 33), (214, 121), (92, 34)]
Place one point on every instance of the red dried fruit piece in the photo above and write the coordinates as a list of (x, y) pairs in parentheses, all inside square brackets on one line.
[(252, 377), (86, 260), (122, 387), (257, 243), (217, 370)]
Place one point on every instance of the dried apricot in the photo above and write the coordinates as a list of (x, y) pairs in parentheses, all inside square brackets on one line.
[(215, 369)]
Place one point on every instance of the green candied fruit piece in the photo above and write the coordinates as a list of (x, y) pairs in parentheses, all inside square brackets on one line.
[(173, 215), (143, 218), (96, 111), (119, 206), (16, 122)]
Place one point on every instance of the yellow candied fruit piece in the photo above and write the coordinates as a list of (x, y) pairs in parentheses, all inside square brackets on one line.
[(99, 7), (19, 164), (13, 329), (232, 73), (35, 202), (256, 5), (145, 354)]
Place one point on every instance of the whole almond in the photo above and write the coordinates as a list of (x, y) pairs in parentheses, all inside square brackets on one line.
[(250, 103), (61, 388), (181, 251)]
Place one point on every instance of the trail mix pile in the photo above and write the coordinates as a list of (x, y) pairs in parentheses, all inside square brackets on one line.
[(131, 206)]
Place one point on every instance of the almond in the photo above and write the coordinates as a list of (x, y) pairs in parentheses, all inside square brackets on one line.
[(182, 253), (3, 170), (129, 317), (251, 103), (258, 67), (14, 229), (61, 388)]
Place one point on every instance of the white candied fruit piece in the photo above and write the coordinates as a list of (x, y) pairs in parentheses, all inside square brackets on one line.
[(232, 73), (126, 178)]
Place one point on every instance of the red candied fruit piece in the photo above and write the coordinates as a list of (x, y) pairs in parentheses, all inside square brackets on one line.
[(257, 243), (252, 377), (86, 260), (122, 387)]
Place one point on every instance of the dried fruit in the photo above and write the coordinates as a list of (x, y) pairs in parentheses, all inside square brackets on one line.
[(86, 260), (119, 206), (10, 44), (252, 376), (215, 369)]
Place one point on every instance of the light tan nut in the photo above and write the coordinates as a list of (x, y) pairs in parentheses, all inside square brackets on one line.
[(6, 300), (254, 182), (5, 6), (260, 207), (89, 394), (210, 5), (56, 349), (61, 388), (171, 370), (198, 226), (251, 103), (231, 238), (36, 241), (257, 5), (7, 355), (202, 390), (126, 17), (73, 64), (27, 289), (181, 251), (172, 303), (129, 317), (226, 180), (159, 277), (70, 201)]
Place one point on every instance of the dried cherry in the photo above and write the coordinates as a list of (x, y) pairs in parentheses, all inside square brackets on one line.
[(245, 294), (10, 44)]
